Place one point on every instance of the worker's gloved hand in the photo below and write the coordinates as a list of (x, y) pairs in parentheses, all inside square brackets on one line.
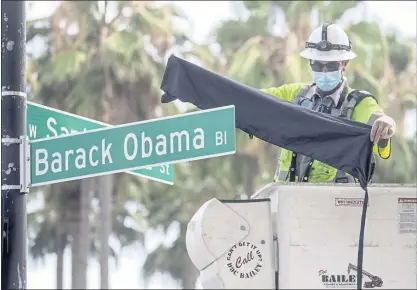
[(383, 128)]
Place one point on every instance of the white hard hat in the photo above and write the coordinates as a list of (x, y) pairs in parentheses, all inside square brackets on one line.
[(328, 43)]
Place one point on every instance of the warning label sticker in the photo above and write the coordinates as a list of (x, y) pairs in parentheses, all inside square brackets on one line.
[(407, 215), (349, 202)]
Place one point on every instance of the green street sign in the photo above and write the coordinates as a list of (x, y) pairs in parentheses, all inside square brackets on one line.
[(44, 122), (185, 137)]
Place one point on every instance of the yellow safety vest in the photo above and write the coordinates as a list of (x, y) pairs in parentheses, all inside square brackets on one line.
[(359, 106)]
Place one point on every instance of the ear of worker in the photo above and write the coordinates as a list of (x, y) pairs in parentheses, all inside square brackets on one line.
[(341, 143)]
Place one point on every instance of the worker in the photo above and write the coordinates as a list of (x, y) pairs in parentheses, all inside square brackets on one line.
[(329, 50)]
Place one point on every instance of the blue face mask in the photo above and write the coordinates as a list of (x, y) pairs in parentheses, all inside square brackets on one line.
[(327, 81)]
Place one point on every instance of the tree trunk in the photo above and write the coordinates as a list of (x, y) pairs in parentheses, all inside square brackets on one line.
[(105, 183), (60, 262), (81, 237), (73, 229), (105, 186), (77, 277), (62, 232)]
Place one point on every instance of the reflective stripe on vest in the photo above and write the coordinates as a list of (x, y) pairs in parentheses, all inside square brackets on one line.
[(282, 175)]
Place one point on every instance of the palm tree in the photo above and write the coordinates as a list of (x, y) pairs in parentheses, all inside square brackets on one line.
[(98, 66)]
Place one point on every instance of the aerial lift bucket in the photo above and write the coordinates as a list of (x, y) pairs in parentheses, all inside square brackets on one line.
[(304, 236)]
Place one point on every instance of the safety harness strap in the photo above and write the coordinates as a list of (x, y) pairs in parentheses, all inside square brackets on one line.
[(353, 99)]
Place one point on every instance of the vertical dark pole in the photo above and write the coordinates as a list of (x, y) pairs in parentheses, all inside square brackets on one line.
[(13, 127)]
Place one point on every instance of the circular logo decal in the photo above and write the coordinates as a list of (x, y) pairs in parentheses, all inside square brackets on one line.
[(244, 260)]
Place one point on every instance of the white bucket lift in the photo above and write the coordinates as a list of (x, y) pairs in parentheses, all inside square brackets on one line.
[(303, 236)]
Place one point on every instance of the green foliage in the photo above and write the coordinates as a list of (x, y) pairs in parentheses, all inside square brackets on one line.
[(66, 64), (232, 32), (331, 10), (171, 259), (400, 53), (259, 7), (122, 43)]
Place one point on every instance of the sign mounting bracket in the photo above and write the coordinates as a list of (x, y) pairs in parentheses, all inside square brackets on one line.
[(25, 168)]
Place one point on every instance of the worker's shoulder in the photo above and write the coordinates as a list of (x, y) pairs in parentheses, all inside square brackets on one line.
[(365, 104), (285, 91), (361, 96)]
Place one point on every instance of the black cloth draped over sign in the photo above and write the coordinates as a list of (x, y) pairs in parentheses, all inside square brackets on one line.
[(338, 142)]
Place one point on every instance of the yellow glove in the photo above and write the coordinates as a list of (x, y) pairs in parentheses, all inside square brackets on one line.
[(383, 128)]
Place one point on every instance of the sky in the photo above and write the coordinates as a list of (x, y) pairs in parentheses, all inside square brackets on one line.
[(204, 15)]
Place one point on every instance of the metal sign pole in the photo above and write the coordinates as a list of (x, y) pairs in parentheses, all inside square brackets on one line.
[(14, 145)]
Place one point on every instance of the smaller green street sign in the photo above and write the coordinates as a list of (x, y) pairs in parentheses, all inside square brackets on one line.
[(45, 122)]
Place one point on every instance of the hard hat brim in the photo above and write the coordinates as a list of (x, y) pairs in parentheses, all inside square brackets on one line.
[(332, 55)]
